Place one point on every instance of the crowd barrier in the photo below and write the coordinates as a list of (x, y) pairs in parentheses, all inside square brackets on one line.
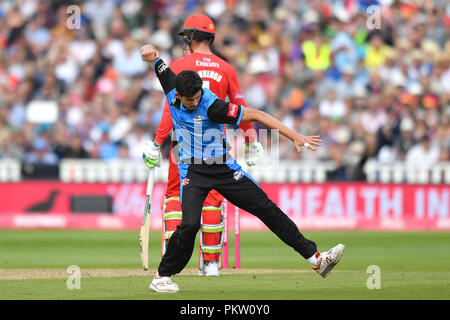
[(404, 173), (136, 171), (10, 170), (72, 170), (283, 172), (312, 206)]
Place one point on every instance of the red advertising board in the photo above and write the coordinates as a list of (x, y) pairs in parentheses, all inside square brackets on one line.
[(337, 206)]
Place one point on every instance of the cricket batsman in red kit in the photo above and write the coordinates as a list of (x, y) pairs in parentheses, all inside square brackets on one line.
[(221, 78)]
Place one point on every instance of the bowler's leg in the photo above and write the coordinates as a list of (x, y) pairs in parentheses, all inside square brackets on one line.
[(247, 195), (181, 244)]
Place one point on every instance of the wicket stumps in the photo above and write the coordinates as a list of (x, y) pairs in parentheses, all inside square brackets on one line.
[(237, 237), (225, 235)]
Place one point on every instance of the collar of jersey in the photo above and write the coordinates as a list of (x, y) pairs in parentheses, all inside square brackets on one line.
[(180, 106), (183, 108)]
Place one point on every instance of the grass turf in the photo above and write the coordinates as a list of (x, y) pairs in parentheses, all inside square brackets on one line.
[(413, 266)]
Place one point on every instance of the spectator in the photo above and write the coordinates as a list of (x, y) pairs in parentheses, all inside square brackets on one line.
[(41, 153), (253, 86), (340, 170), (423, 154), (373, 118), (317, 53), (82, 48), (12, 145), (17, 112), (120, 125), (405, 140), (370, 152), (123, 151), (391, 85), (376, 51), (66, 68), (389, 68), (36, 33), (129, 62), (76, 149), (107, 150), (135, 140), (346, 86), (59, 138), (331, 107), (344, 48), (99, 12), (417, 68)]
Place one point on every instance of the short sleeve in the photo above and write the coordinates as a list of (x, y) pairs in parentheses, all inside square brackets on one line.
[(225, 112)]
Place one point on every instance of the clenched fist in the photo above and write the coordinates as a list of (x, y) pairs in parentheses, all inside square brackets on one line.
[(149, 53)]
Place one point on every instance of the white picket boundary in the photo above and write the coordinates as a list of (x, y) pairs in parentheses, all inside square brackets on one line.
[(92, 170)]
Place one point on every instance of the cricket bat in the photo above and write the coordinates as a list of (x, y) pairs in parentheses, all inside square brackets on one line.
[(145, 228)]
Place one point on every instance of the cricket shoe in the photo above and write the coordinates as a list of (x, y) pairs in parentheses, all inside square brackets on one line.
[(210, 269), (327, 260), (163, 284)]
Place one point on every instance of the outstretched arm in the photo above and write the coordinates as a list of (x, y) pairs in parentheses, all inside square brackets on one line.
[(310, 142), (235, 95)]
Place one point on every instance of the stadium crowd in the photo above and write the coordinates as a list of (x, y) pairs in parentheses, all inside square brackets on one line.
[(371, 77)]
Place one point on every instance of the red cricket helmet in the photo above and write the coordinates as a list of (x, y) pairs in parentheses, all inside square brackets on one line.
[(198, 27)]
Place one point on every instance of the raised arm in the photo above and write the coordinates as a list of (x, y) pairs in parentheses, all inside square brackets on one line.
[(152, 149), (165, 75), (310, 142)]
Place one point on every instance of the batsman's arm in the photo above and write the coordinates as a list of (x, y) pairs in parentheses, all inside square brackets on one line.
[(310, 142)]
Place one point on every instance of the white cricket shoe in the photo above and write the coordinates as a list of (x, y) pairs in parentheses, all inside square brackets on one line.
[(327, 260), (163, 284), (210, 269)]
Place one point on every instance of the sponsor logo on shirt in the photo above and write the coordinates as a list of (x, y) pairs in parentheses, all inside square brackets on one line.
[(209, 74), (185, 182), (161, 68), (233, 110), (209, 64), (238, 175)]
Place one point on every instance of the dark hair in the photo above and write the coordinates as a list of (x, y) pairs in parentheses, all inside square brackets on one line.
[(188, 83)]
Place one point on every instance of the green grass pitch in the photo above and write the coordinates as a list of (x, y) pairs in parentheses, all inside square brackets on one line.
[(412, 265)]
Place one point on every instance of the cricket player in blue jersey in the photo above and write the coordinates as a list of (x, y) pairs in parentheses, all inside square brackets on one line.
[(205, 164)]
